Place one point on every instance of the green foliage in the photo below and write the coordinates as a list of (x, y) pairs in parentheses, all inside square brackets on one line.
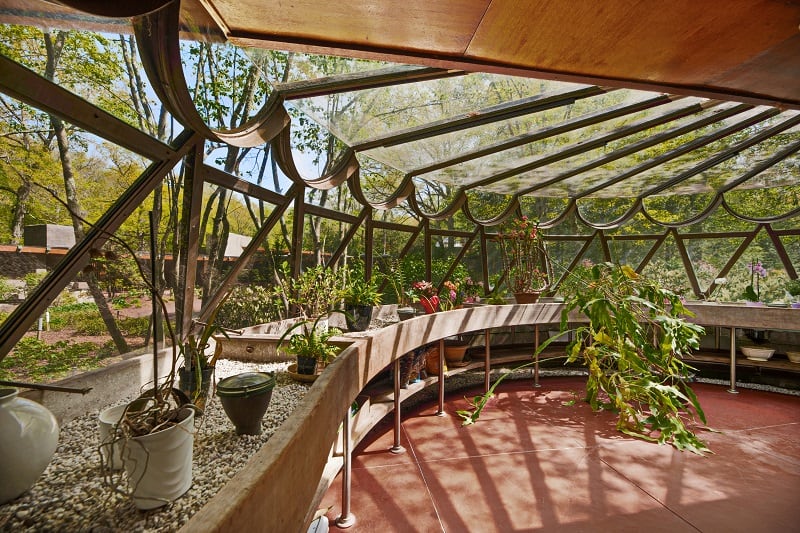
[(314, 292), (249, 305), (92, 326), (134, 326), (311, 341), (6, 289), (633, 349), (33, 359), (32, 280), (359, 290), (793, 287), (72, 315)]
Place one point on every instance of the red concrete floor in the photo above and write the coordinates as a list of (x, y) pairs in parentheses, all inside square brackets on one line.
[(536, 461)]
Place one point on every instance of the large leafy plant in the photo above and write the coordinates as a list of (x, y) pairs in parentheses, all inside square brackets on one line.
[(308, 339), (633, 348)]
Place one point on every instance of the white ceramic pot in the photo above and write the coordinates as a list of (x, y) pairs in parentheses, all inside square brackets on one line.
[(110, 450), (159, 465), (757, 354), (28, 440)]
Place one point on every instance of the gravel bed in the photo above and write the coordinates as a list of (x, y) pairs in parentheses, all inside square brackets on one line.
[(71, 496)]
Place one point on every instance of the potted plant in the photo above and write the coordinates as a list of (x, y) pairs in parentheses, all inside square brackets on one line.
[(426, 294), (154, 433), (633, 349), (752, 293), (360, 296), (195, 375), (397, 282), (309, 343), (315, 291), (524, 259)]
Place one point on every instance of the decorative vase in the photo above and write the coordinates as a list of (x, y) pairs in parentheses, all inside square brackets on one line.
[(306, 365), (28, 440), (526, 297), (110, 450), (358, 317), (245, 398), (159, 465), (187, 382), (795, 305), (430, 305)]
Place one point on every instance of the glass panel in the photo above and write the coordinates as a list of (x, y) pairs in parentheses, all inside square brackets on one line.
[(561, 253), (709, 256), (769, 287), (281, 67), (764, 203), (359, 116), (604, 210), (379, 182), (486, 206), (414, 155), (642, 183), (672, 209), (100, 68), (666, 267), (544, 178)]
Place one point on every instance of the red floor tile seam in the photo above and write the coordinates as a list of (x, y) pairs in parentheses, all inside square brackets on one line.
[(415, 460), (653, 497)]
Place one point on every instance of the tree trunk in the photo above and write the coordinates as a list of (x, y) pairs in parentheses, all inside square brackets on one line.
[(60, 133)]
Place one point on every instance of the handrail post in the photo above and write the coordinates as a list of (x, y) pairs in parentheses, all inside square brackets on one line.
[(733, 390), (536, 356), (487, 354), (440, 412), (397, 448), (346, 519)]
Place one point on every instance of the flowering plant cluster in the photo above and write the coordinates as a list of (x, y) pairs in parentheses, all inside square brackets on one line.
[(425, 293), (757, 271), (472, 290), (523, 253)]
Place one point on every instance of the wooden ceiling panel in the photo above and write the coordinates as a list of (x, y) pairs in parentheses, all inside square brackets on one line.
[(445, 26), (681, 40)]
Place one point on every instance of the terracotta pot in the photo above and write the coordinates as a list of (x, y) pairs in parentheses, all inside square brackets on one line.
[(526, 297), (432, 361), (454, 351)]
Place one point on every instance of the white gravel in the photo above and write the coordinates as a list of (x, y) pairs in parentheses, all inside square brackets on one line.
[(71, 496)]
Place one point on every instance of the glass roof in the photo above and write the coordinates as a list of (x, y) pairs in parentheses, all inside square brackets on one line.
[(508, 136)]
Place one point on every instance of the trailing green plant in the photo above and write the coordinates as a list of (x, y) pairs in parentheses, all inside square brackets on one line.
[(310, 341), (632, 348)]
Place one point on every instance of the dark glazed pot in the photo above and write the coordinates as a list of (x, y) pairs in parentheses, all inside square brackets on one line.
[(245, 398), (306, 365), (358, 317)]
